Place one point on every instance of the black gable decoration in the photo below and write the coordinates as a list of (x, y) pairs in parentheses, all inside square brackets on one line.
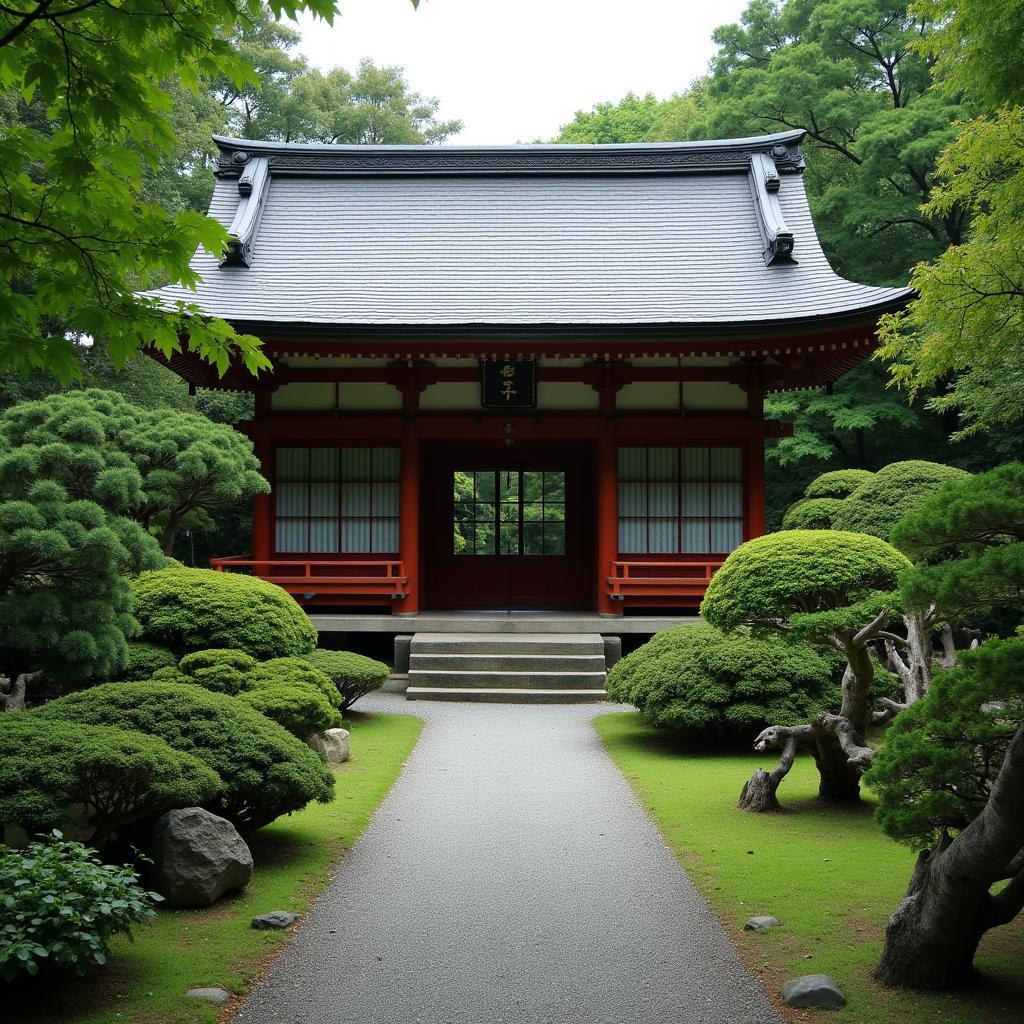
[(508, 383)]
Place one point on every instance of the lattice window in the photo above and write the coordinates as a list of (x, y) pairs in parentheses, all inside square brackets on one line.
[(675, 501), (337, 500)]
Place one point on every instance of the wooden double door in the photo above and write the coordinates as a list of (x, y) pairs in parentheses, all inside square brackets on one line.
[(510, 528)]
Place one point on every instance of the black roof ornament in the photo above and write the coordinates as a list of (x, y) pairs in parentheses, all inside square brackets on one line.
[(253, 186), (765, 184)]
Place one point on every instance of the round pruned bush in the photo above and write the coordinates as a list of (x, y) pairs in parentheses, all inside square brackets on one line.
[(221, 671), (292, 670), (354, 675), (811, 514), (107, 777), (698, 679), (878, 504), (839, 483), (265, 770), (145, 658), (299, 707), (61, 906), (198, 609)]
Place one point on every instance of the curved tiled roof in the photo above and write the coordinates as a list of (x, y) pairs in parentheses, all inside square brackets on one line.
[(670, 235)]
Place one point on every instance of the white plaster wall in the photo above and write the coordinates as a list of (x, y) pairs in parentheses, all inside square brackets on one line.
[(307, 397), (370, 396), (648, 395), (552, 395)]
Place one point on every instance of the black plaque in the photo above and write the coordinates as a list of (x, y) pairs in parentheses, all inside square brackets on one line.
[(508, 383)]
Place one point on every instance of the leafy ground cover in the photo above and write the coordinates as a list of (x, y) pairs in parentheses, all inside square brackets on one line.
[(146, 980), (830, 875)]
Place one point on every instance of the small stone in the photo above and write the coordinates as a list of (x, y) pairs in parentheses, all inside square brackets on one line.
[(761, 924), (813, 992), (275, 919), (209, 995), (332, 745)]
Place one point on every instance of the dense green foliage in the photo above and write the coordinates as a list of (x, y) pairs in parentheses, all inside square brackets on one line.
[(299, 707), (635, 119), (61, 907), (967, 322), (942, 754), (144, 659), (265, 770), (78, 235), (878, 504), (701, 680), (221, 671), (839, 483), (67, 536), (354, 675), (197, 609), (967, 543), (808, 582), (290, 691), (107, 776), (812, 514), (188, 466), (293, 102)]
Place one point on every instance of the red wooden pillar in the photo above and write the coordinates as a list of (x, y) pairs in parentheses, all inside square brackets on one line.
[(262, 511), (754, 476), (755, 498), (409, 521), (607, 515)]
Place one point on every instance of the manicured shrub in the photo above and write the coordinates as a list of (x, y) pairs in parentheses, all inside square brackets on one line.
[(115, 776), (197, 609), (811, 514), (266, 771), (702, 680), (144, 659), (299, 707), (837, 484), (61, 906), (221, 671), (354, 675), (292, 670), (878, 504)]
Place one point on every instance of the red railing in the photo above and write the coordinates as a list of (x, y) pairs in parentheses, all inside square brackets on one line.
[(325, 578), (660, 579)]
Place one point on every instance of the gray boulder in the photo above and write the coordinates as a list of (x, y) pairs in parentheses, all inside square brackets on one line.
[(813, 992), (217, 996), (761, 924), (332, 745), (197, 857), (275, 919)]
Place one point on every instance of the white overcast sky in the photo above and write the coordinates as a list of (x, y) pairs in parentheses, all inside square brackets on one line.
[(515, 70)]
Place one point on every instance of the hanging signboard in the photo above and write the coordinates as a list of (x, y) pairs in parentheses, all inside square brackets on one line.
[(508, 383)]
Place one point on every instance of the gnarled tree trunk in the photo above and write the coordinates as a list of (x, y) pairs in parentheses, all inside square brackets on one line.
[(934, 933), (836, 741)]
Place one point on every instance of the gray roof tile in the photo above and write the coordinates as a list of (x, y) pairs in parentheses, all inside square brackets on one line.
[(449, 249)]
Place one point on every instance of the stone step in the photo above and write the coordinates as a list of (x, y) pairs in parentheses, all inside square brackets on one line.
[(505, 695), (507, 662), (474, 679), (501, 667), (506, 643)]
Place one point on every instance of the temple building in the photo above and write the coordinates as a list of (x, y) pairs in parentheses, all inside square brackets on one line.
[(519, 377)]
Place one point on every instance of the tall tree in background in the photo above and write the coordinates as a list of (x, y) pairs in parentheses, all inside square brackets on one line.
[(846, 71), (290, 101), (966, 328)]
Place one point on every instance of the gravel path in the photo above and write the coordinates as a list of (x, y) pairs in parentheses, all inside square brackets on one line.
[(510, 876)]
